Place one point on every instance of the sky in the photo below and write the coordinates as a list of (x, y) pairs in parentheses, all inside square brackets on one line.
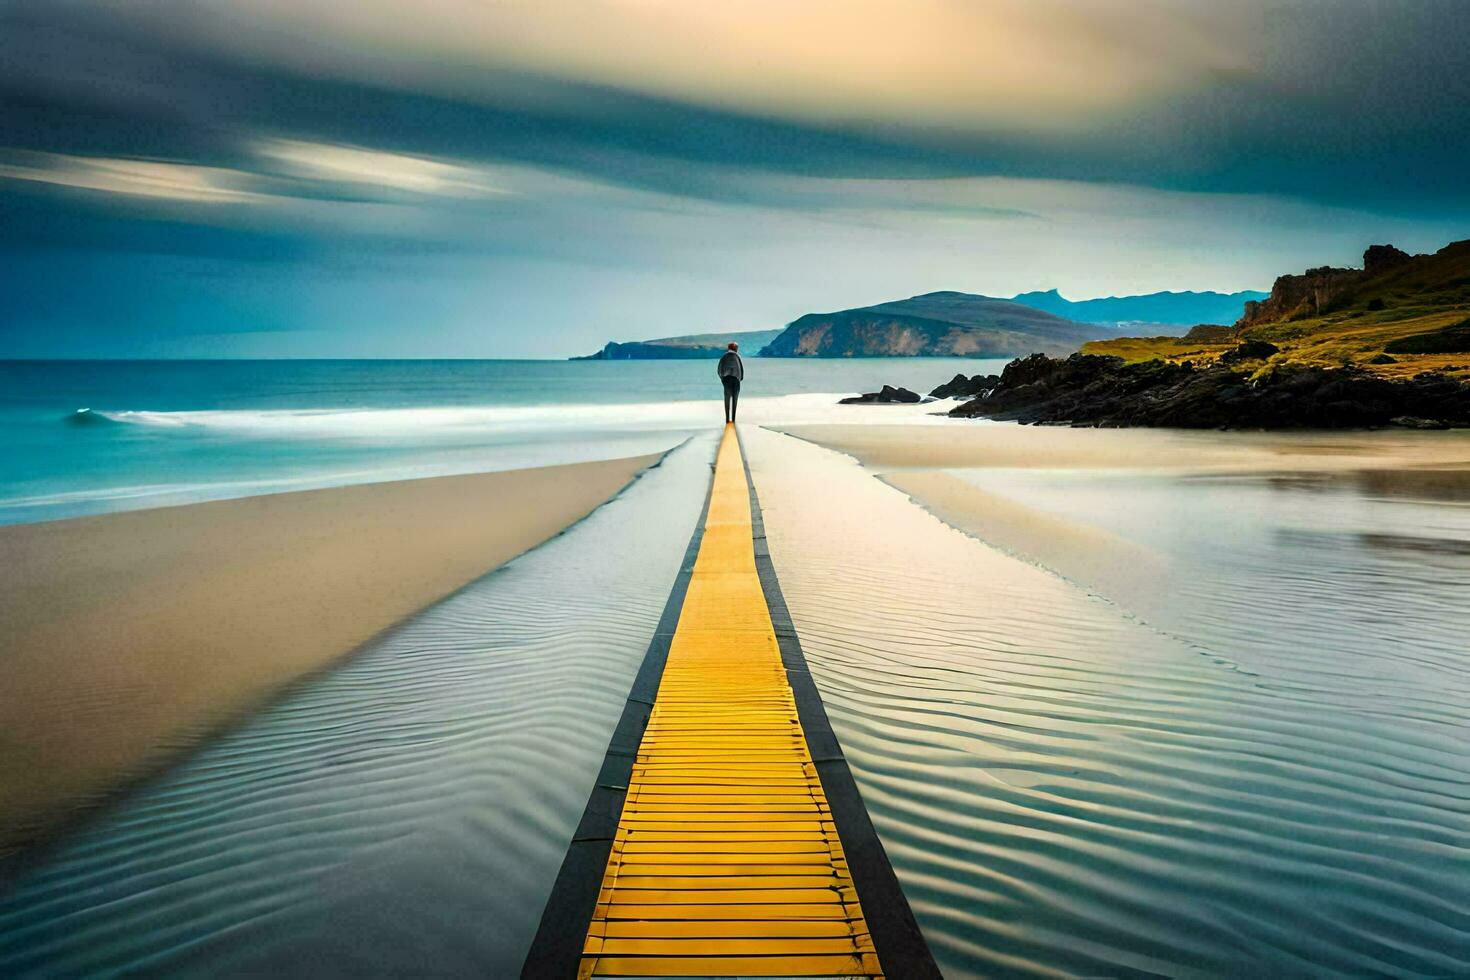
[(486, 178)]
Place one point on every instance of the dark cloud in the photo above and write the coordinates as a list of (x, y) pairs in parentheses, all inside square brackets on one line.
[(1365, 104)]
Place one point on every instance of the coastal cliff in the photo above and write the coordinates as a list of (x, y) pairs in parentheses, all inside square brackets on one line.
[(1321, 290), (935, 325)]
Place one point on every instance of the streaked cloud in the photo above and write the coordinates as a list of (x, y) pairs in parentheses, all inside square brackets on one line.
[(315, 171), (137, 178), (375, 168)]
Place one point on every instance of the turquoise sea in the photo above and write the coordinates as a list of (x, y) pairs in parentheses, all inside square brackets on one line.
[(81, 437)]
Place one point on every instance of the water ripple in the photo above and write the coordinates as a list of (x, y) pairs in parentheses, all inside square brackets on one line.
[(401, 814), (1067, 789)]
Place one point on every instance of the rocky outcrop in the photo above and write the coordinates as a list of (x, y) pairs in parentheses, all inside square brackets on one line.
[(1379, 259), (1321, 290), (1091, 390), (1314, 293), (962, 387), (889, 395)]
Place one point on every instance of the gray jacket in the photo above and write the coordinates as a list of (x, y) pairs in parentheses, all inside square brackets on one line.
[(731, 366)]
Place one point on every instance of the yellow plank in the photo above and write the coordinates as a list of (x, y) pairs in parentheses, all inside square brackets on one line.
[(715, 847), (726, 859), (860, 965), (693, 872), (795, 910), (729, 841), (732, 929), (825, 895), (774, 946), (722, 883)]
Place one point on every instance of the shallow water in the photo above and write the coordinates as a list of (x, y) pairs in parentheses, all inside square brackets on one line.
[(1356, 583), (1250, 764), (402, 814), (1262, 774)]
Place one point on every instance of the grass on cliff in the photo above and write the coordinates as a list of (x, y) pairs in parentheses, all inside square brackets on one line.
[(1421, 297), (1330, 341)]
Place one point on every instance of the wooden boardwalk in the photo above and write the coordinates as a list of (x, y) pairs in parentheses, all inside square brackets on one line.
[(727, 858)]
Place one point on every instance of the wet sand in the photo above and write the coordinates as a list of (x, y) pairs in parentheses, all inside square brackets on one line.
[(1079, 552), (920, 461), (971, 444), (128, 637)]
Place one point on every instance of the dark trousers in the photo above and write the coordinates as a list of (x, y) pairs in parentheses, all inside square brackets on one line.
[(732, 396)]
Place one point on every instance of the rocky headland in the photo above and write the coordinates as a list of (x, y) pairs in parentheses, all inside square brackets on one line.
[(943, 324), (706, 346), (1093, 390), (1386, 344)]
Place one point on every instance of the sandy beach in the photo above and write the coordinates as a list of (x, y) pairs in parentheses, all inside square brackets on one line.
[(129, 637)]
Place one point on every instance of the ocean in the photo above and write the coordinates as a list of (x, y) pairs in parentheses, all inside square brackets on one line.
[(86, 437)]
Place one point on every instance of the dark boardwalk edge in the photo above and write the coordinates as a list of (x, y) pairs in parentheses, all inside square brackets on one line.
[(902, 951), (556, 950)]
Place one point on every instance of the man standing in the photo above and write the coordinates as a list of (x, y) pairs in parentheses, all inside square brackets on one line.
[(731, 372)]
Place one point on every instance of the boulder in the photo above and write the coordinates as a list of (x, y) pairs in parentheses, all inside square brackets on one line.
[(1251, 350), (962, 387), (887, 396)]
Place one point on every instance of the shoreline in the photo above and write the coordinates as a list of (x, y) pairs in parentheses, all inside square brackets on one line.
[(133, 636)]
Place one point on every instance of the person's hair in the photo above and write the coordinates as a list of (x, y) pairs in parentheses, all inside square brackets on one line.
[(733, 345)]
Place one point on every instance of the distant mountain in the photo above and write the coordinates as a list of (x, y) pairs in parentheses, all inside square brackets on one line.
[(934, 324), (689, 347), (1180, 310)]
